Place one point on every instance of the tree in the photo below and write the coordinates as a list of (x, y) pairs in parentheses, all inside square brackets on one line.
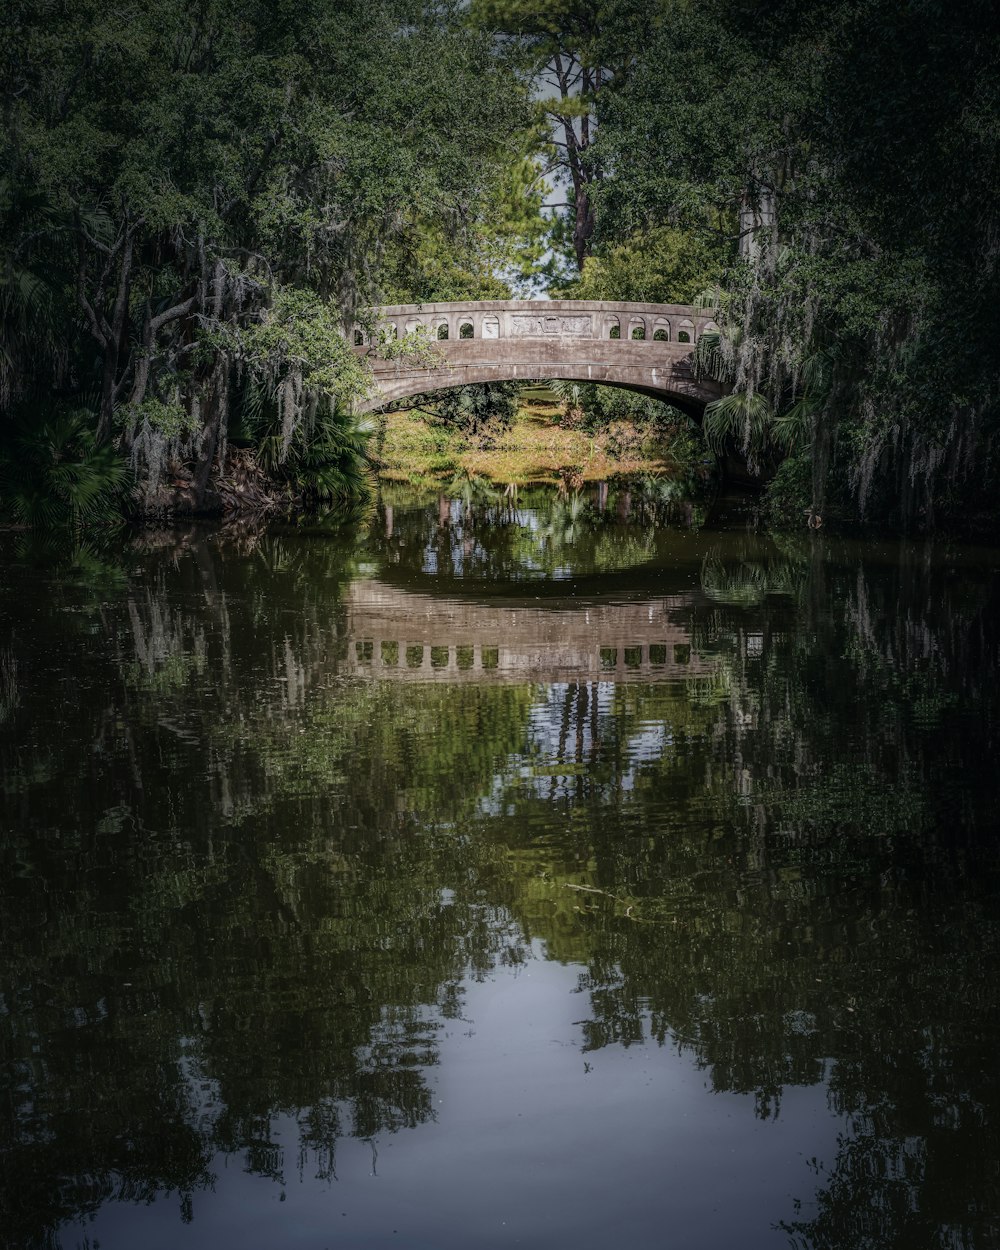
[(806, 135), (198, 163), (663, 265), (558, 41)]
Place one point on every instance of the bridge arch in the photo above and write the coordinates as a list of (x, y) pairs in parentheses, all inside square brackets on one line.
[(685, 403)]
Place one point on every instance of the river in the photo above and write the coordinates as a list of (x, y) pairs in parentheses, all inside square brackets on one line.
[(542, 870)]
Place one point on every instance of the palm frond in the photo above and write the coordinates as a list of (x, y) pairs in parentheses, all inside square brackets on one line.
[(744, 418), (790, 429), (53, 474)]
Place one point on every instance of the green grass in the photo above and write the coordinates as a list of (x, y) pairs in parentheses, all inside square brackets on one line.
[(536, 449)]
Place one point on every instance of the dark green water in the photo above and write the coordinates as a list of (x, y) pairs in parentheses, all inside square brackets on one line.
[(501, 875)]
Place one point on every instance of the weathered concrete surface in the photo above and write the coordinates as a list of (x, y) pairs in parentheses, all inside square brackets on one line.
[(533, 340)]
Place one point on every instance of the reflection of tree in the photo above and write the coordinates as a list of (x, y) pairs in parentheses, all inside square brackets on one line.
[(270, 881), (798, 890), (478, 532), (254, 920)]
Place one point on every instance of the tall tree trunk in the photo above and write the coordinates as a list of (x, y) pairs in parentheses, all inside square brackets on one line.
[(583, 226), (569, 73), (111, 384), (109, 372), (143, 367), (213, 432), (758, 225), (822, 455)]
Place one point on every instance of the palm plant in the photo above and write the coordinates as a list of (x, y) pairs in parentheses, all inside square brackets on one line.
[(571, 396), (38, 329), (745, 418), (54, 474), (792, 428), (324, 458), (748, 418), (568, 392), (332, 465)]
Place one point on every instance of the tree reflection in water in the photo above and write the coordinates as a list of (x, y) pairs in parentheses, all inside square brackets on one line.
[(242, 881)]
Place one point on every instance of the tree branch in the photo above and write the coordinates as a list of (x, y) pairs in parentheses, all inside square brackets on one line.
[(157, 323)]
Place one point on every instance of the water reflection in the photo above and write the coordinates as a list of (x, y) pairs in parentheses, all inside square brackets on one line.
[(494, 538), (393, 632), (273, 894)]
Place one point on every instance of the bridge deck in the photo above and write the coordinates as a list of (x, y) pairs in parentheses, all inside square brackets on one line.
[(643, 347)]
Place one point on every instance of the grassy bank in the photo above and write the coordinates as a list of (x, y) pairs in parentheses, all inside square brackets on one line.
[(539, 447)]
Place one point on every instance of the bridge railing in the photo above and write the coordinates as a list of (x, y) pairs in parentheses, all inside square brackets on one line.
[(539, 319)]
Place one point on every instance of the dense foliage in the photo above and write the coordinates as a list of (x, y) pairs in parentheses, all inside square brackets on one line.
[(485, 409), (195, 200), (847, 154)]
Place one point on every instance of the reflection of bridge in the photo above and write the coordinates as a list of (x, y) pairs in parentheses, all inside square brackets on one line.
[(396, 633), (642, 347)]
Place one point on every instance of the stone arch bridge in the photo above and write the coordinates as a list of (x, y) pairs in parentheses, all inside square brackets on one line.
[(641, 347)]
